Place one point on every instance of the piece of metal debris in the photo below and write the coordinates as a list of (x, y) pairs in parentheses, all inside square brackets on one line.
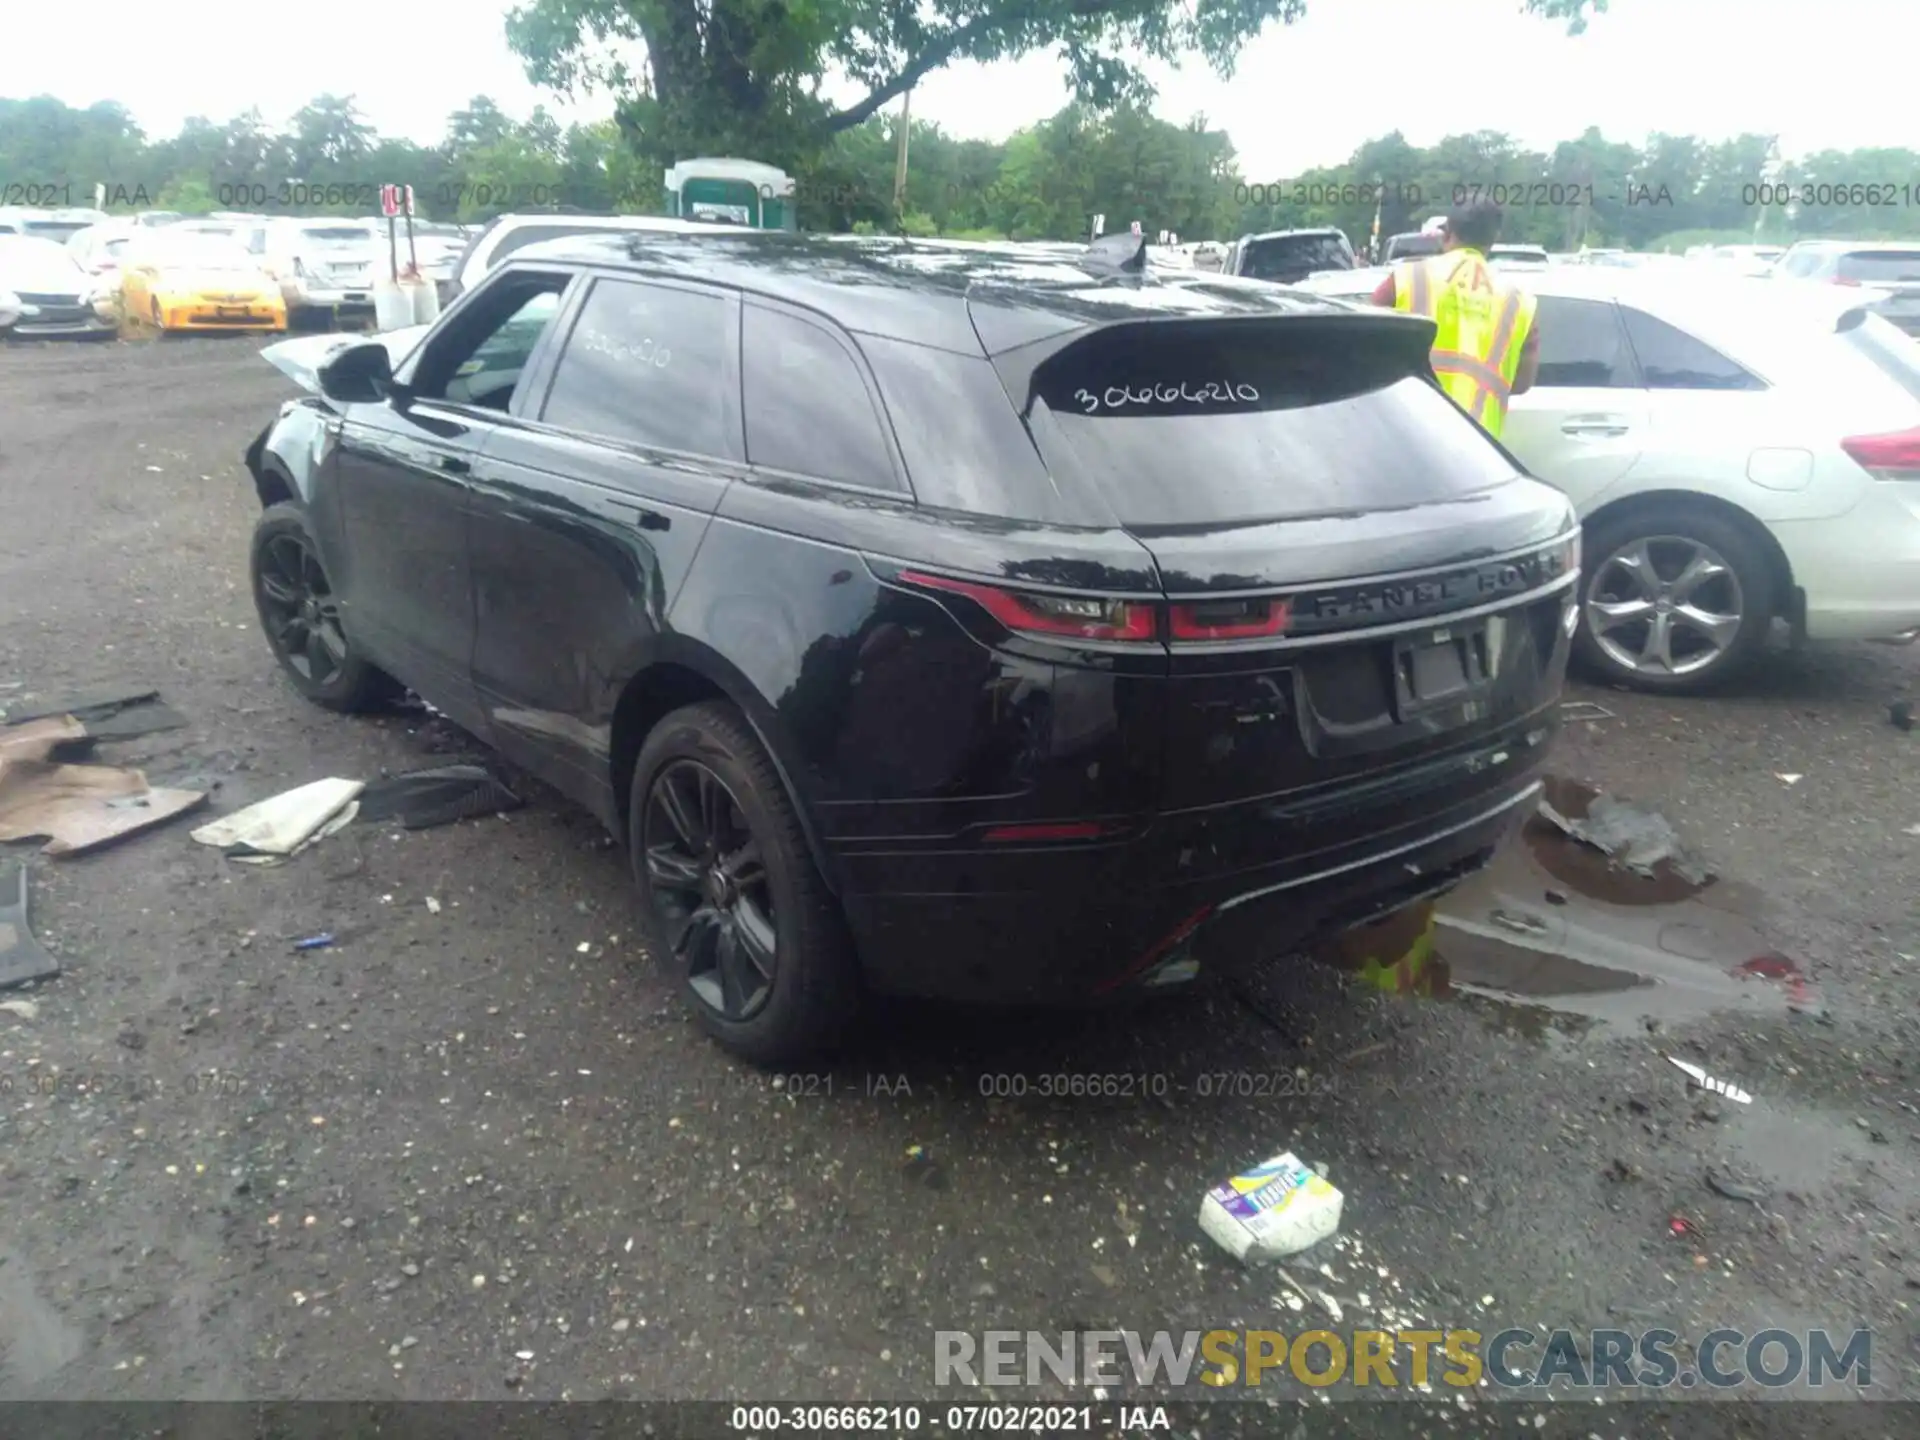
[(1704, 1081), (25, 1009), (1585, 710), (315, 942), (1734, 1189), (21, 958), (1788, 779), (438, 795)]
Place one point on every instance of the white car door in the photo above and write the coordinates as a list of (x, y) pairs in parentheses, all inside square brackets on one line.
[(1585, 422)]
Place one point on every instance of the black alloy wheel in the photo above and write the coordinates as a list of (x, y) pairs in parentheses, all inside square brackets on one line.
[(733, 907), (299, 611), (710, 890)]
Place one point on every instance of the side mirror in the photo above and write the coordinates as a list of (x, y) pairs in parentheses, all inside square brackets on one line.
[(357, 374)]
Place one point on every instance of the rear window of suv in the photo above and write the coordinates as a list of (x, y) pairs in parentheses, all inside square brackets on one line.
[(1293, 257), (1881, 266), (1237, 423)]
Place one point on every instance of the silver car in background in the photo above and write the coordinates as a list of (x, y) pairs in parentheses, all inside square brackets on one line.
[(1890, 267)]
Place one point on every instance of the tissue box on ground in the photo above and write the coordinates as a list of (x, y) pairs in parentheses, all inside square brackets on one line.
[(1274, 1209)]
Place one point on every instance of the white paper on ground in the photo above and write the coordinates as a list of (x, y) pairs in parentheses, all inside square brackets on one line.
[(282, 825)]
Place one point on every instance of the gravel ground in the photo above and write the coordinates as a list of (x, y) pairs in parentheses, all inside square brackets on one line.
[(480, 1154)]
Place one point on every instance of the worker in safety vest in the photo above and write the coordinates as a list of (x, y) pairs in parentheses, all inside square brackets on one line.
[(1486, 348)]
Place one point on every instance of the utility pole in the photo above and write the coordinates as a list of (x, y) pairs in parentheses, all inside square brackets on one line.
[(900, 159)]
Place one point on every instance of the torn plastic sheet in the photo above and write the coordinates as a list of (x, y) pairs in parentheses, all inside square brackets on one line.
[(21, 958), (280, 827), (1631, 837)]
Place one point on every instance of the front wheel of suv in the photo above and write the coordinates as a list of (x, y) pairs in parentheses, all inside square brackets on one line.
[(735, 909), (301, 617), (1675, 600)]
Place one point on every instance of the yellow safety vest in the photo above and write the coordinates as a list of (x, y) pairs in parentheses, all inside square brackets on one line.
[(1481, 328)]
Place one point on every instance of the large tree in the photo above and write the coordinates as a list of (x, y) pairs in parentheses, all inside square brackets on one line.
[(746, 77)]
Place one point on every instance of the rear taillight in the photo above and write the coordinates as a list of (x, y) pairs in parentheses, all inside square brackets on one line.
[(1889, 457), (1230, 619), (1077, 617)]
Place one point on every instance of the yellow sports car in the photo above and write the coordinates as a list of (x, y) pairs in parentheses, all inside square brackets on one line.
[(188, 280)]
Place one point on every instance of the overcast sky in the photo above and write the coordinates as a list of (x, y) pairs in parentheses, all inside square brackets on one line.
[(1819, 75)]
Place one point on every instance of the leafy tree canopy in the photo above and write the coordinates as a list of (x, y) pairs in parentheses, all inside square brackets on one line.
[(746, 77)]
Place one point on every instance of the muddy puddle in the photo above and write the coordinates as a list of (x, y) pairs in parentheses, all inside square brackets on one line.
[(1558, 925)]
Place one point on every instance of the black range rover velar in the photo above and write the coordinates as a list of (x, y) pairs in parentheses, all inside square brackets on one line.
[(954, 621)]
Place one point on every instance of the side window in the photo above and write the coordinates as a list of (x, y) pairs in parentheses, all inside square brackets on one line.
[(480, 358), (1582, 344), (1673, 360), (807, 406), (648, 365), (1798, 265)]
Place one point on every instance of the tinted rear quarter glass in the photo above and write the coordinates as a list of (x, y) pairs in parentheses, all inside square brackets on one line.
[(1224, 423), (1671, 359), (1582, 345), (807, 406), (647, 364), (1882, 266), (961, 437)]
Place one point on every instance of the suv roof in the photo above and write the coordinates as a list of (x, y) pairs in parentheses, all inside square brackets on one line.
[(952, 296)]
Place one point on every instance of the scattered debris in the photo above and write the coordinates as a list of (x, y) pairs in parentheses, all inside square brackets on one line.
[(1911, 830), (277, 829), (1635, 839), (78, 807), (438, 795), (1901, 714), (107, 714), (21, 958), (924, 1169), (315, 942), (25, 1009), (433, 906), (1680, 1225), (1735, 1190), (1274, 1209), (1788, 779), (1585, 710), (1703, 1081)]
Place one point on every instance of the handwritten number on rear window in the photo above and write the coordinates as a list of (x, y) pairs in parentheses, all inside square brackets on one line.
[(1216, 392)]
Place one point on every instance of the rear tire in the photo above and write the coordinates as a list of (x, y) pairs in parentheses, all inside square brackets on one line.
[(734, 908), (1676, 581), (301, 619)]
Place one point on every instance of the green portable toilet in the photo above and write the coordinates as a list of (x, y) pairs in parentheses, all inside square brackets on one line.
[(731, 192)]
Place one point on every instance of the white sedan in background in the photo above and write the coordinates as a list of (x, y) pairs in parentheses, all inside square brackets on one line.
[(1738, 450)]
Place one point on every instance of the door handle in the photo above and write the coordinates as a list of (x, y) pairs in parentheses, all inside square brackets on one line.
[(1596, 426), (454, 464)]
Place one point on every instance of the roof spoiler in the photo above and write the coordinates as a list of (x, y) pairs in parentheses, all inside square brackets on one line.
[(1116, 255)]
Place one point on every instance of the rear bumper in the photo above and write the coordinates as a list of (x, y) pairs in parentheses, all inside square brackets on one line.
[(1090, 925), (1860, 571)]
